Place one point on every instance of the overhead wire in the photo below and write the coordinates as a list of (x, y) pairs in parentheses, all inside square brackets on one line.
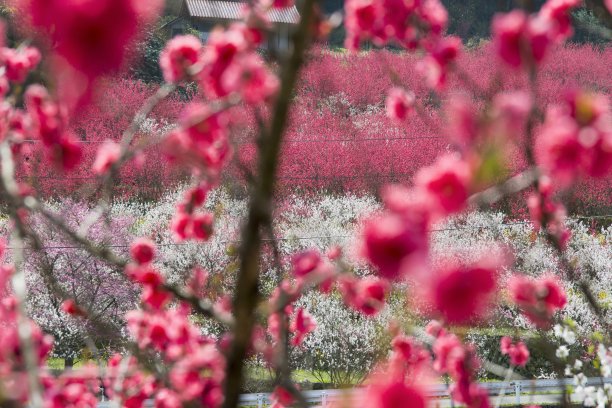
[(321, 237)]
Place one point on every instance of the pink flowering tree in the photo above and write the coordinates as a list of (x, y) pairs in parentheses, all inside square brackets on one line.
[(167, 358)]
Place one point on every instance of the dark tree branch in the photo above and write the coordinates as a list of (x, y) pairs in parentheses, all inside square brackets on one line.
[(260, 207)]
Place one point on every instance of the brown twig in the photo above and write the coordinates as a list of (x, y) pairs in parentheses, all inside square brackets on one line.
[(247, 293)]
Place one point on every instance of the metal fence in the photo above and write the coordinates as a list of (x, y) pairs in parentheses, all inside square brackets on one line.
[(519, 392)]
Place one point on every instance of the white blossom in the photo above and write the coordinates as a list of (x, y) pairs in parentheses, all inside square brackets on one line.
[(562, 352)]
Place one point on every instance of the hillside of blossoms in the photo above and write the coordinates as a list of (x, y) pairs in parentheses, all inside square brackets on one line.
[(407, 211)]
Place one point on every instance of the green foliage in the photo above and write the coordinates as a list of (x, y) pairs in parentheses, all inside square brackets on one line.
[(589, 29), (146, 67)]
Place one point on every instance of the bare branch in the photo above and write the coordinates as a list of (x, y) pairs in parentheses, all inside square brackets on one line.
[(247, 293)]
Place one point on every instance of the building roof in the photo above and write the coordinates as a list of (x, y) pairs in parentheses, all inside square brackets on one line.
[(232, 10)]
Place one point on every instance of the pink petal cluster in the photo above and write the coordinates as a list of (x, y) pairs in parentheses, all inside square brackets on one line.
[(306, 262), (395, 394), (401, 380), (518, 352), (364, 295), (142, 250), (399, 104), (395, 242), (538, 299), (90, 36), (385, 21), (281, 398), (108, 154), (460, 362), (49, 121), (70, 307), (231, 66), (524, 40), (196, 366), (18, 63), (301, 325), (548, 214), (201, 141), (73, 391), (446, 183), (179, 57), (576, 139), (463, 293), (435, 66)]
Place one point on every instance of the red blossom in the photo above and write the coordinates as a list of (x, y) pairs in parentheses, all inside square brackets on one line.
[(142, 250), (91, 36), (281, 398), (70, 307)]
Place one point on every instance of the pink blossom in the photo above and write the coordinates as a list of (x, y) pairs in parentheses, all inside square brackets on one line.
[(305, 262), (399, 104), (544, 212), (145, 274), (301, 325), (92, 40), (201, 141), (538, 299), (395, 242), (19, 63), (108, 154), (67, 152), (385, 21), (223, 49), (179, 56), (410, 352), (199, 375), (521, 40), (366, 295), (166, 398), (249, 77), (70, 307), (281, 398), (435, 329), (155, 297), (463, 293), (142, 250), (518, 352), (557, 12), (446, 348), (202, 226), (179, 226), (447, 182), (435, 66), (394, 393), (577, 137)]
